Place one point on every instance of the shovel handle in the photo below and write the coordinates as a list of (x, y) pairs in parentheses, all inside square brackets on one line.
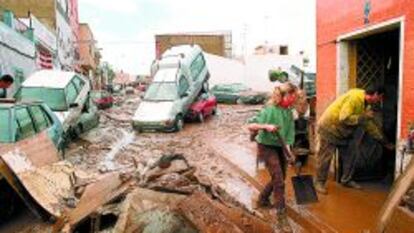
[(288, 154)]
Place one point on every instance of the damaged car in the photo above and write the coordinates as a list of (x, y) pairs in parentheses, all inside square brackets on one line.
[(21, 120), (204, 106), (67, 94), (179, 77)]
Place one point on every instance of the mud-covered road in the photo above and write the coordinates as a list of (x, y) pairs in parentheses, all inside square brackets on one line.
[(200, 168)]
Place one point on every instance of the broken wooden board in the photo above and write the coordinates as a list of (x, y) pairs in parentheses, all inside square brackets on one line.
[(52, 187), (400, 187), (106, 188), (203, 213), (139, 201), (245, 221), (39, 149), (402, 220), (47, 185)]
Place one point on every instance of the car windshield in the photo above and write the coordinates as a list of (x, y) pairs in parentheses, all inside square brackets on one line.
[(54, 98), (5, 129), (161, 91)]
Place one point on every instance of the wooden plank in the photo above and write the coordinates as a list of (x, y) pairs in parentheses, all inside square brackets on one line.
[(39, 149), (402, 220), (400, 187), (105, 189), (202, 212), (245, 221)]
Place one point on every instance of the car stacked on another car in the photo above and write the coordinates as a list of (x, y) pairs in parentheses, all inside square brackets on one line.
[(204, 106), (178, 78), (67, 94)]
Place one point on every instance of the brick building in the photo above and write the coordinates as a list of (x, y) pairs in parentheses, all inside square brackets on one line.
[(88, 52), (218, 43), (360, 42)]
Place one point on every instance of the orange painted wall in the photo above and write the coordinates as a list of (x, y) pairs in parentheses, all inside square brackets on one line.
[(338, 17)]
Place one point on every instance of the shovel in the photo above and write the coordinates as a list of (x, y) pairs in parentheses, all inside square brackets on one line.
[(305, 192)]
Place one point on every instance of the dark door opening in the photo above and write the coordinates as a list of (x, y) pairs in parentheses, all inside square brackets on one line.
[(378, 63)]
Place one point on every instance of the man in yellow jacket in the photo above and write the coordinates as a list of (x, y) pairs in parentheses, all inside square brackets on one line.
[(337, 124)]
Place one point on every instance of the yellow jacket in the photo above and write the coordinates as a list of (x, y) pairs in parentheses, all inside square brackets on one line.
[(343, 115)]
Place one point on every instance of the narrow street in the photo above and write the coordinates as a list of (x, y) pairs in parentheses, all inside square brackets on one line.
[(143, 116)]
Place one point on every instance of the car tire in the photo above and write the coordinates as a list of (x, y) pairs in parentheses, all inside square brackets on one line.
[(79, 130), (205, 87), (239, 101), (200, 117), (214, 111), (179, 123)]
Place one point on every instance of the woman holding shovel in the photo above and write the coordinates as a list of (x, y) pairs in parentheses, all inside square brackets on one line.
[(275, 117)]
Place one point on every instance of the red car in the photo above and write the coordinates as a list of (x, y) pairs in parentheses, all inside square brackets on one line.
[(102, 99), (205, 105)]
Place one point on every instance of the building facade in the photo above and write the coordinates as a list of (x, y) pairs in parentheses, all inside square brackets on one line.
[(17, 50), (217, 43), (55, 14), (364, 42), (89, 53), (45, 42)]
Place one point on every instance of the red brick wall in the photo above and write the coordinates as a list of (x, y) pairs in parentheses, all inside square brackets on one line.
[(335, 18)]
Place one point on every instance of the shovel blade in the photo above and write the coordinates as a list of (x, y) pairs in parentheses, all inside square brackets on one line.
[(305, 192)]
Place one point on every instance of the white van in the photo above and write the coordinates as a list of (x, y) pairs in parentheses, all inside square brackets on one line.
[(178, 78), (67, 94)]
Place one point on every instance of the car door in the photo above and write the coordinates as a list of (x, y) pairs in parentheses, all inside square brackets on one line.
[(43, 121), (24, 122)]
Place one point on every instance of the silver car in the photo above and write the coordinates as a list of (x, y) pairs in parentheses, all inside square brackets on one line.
[(180, 76)]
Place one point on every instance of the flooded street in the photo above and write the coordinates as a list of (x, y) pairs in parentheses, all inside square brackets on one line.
[(115, 146)]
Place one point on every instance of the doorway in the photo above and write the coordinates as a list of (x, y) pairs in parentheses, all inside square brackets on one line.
[(372, 56)]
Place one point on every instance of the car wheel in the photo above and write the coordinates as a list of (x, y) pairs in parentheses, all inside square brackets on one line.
[(200, 117), (214, 111), (205, 87), (179, 123), (239, 101), (79, 130)]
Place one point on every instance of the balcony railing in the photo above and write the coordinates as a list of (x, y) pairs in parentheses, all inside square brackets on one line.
[(8, 18)]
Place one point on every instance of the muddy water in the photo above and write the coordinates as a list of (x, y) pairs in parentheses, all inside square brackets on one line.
[(108, 162)]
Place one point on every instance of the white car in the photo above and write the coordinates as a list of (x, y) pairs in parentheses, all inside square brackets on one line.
[(67, 94), (178, 78)]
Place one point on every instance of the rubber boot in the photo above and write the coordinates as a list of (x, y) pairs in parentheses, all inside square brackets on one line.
[(320, 188), (283, 224), (263, 201)]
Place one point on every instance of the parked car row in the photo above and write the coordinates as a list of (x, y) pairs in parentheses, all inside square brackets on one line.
[(178, 79), (237, 93)]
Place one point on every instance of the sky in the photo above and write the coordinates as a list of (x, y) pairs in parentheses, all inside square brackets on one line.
[(126, 29)]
